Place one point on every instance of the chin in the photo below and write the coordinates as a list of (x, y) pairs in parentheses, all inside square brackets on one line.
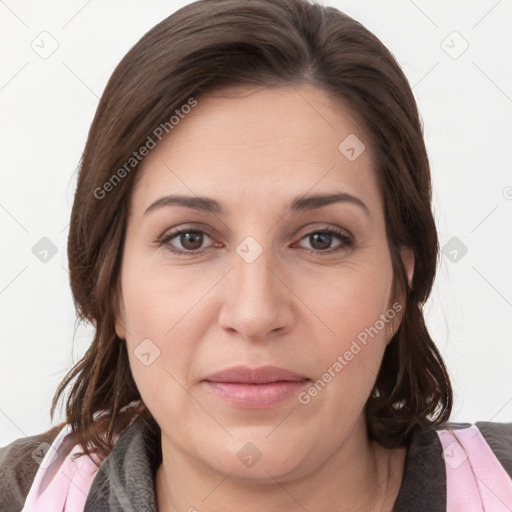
[(257, 458)]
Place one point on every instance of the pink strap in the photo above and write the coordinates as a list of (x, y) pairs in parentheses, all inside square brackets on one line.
[(61, 484), (475, 479)]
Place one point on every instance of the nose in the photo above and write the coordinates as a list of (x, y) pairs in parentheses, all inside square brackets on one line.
[(257, 299)]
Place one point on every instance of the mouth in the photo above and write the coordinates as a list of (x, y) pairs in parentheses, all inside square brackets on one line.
[(256, 388)]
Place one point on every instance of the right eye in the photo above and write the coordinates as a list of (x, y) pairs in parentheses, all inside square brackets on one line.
[(189, 239)]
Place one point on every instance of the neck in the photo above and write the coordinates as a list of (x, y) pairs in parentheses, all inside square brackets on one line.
[(360, 475)]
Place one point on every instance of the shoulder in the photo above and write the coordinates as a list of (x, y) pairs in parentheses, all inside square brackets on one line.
[(499, 438), (447, 456), (477, 463), (19, 462), (495, 437)]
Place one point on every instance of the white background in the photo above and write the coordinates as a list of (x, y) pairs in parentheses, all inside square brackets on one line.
[(47, 106)]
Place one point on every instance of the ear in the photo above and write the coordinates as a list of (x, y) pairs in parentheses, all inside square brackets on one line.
[(407, 255), (119, 311)]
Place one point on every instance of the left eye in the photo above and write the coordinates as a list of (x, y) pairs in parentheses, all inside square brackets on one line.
[(323, 239)]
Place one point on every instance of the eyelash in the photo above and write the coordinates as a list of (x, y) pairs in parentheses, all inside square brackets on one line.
[(345, 239)]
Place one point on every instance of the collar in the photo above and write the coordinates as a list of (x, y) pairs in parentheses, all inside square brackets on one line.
[(423, 486), (125, 481)]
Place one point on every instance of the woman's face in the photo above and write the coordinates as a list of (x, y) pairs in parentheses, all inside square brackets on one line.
[(270, 275)]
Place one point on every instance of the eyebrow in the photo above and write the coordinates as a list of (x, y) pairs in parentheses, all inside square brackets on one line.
[(299, 204)]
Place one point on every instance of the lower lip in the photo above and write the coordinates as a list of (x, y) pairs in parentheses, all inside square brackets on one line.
[(256, 396)]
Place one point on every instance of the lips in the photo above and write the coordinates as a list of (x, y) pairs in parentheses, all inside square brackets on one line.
[(262, 375), (255, 388)]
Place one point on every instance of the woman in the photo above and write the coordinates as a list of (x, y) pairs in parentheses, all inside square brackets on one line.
[(252, 238)]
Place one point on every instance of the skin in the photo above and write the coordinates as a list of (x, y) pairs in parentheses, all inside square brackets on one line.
[(254, 150)]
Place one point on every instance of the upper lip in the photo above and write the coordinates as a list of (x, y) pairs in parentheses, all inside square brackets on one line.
[(261, 375)]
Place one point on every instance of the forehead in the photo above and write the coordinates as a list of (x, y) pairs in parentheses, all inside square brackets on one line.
[(261, 143)]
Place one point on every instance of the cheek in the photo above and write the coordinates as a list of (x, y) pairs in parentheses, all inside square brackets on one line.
[(351, 302), (159, 359), (156, 306), (157, 298), (355, 315), (167, 313)]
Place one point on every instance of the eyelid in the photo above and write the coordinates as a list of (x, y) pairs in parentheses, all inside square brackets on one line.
[(203, 228), (321, 227)]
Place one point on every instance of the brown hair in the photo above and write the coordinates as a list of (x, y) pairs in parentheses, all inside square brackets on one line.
[(211, 44)]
